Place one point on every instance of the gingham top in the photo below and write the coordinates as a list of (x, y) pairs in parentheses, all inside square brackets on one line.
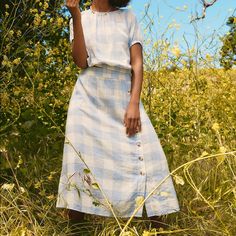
[(108, 37)]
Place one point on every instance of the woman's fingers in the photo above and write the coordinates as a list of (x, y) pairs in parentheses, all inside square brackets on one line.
[(72, 5), (127, 126), (124, 121), (139, 127), (133, 126)]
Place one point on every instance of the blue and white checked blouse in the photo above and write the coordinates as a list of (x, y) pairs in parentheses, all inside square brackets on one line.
[(108, 37), (102, 167)]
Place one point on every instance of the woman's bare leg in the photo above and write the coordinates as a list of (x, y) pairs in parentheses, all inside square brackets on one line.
[(157, 222), (75, 216)]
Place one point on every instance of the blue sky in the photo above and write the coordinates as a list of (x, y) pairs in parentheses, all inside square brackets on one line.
[(164, 12)]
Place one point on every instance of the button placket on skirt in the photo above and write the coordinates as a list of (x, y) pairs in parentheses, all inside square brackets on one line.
[(140, 158)]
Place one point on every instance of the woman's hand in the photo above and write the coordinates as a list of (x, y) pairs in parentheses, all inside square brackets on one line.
[(132, 120), (73, 6)]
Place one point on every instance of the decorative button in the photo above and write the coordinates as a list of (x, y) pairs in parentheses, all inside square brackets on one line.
[(140, 158), (142, 172), (138, 144)]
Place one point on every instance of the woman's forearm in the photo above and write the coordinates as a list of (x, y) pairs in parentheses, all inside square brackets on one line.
[(137, 79), (79, 52)]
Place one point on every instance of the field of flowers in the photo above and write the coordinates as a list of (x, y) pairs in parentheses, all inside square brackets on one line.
[(190, 101)]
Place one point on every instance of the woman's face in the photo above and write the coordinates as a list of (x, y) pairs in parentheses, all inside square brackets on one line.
[(118, 3)]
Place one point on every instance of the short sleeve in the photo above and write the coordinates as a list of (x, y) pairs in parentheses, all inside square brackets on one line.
[(135, 33), (71, 35)]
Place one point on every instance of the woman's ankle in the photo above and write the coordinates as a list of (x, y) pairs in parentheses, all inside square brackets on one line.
[(75, 216), (157, 222)]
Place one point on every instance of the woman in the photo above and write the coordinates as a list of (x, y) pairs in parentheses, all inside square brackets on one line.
[(107, 123)]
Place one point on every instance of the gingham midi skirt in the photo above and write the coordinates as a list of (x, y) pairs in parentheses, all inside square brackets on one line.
[(102, 166)]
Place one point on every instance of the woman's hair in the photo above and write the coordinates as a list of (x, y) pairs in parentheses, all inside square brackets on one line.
[(119, 3)]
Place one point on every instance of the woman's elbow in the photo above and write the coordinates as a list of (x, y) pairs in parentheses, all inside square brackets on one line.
[(81, 64)]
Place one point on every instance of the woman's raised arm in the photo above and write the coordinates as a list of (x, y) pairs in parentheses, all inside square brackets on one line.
[(79, 52)]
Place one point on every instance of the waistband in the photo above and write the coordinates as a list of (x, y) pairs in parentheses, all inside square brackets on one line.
[(107, 68)]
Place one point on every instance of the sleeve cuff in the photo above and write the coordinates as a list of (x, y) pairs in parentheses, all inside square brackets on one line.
[(136, 41)]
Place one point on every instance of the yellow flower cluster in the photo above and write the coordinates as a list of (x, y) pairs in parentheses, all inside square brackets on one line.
[(50, 177), (16, 61), (37, 19), (8, 63), (222, 149), (146, 233), (8, 187), (34, 10), (60, 21), (209, 57), (5, 61), (176, 51), (215, 127), (45, 6)]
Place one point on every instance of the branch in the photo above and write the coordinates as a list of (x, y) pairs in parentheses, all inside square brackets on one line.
[(205, 6)]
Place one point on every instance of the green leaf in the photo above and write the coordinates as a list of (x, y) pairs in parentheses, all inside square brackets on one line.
[(95, 203), (78, 190), (86, 171), (95, 185)]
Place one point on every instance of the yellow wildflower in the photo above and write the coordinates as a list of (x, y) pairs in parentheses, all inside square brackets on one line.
[(5, 61), (11, 32), (45, 6), (37, 185), (208, 57), (51, 197), (215, 127), (59, 21), (20, 161), (44, 22), (49, 60), (18, 33), (146, 233), (67, 69), (192, 50), (204, 154), (33, 10), (42, 13), (8, 187), (176, 51), (22, 189), (222, 149), (16, 61), (52, 173), (37, 19), (127, 233), (221, 158), (138, 200)]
